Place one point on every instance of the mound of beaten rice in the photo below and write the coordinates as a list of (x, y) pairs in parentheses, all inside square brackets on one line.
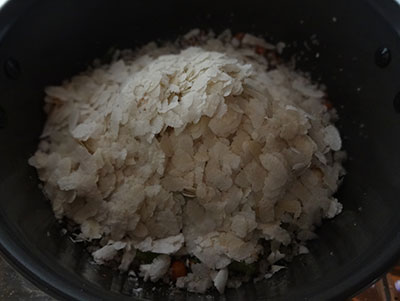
[(215, 155)]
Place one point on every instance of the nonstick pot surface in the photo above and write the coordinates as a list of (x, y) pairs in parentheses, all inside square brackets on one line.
[(356, 56)]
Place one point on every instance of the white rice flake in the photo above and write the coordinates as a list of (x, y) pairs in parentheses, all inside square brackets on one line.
[(155, 270), (332, 138), (220, 280)]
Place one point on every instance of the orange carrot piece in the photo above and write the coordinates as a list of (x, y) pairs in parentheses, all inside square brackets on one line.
[(178, 269)]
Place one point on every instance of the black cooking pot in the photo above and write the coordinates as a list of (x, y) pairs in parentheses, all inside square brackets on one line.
[(351, 46)]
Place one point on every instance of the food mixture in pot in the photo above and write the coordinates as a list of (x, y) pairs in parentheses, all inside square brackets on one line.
[(205, 162)]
